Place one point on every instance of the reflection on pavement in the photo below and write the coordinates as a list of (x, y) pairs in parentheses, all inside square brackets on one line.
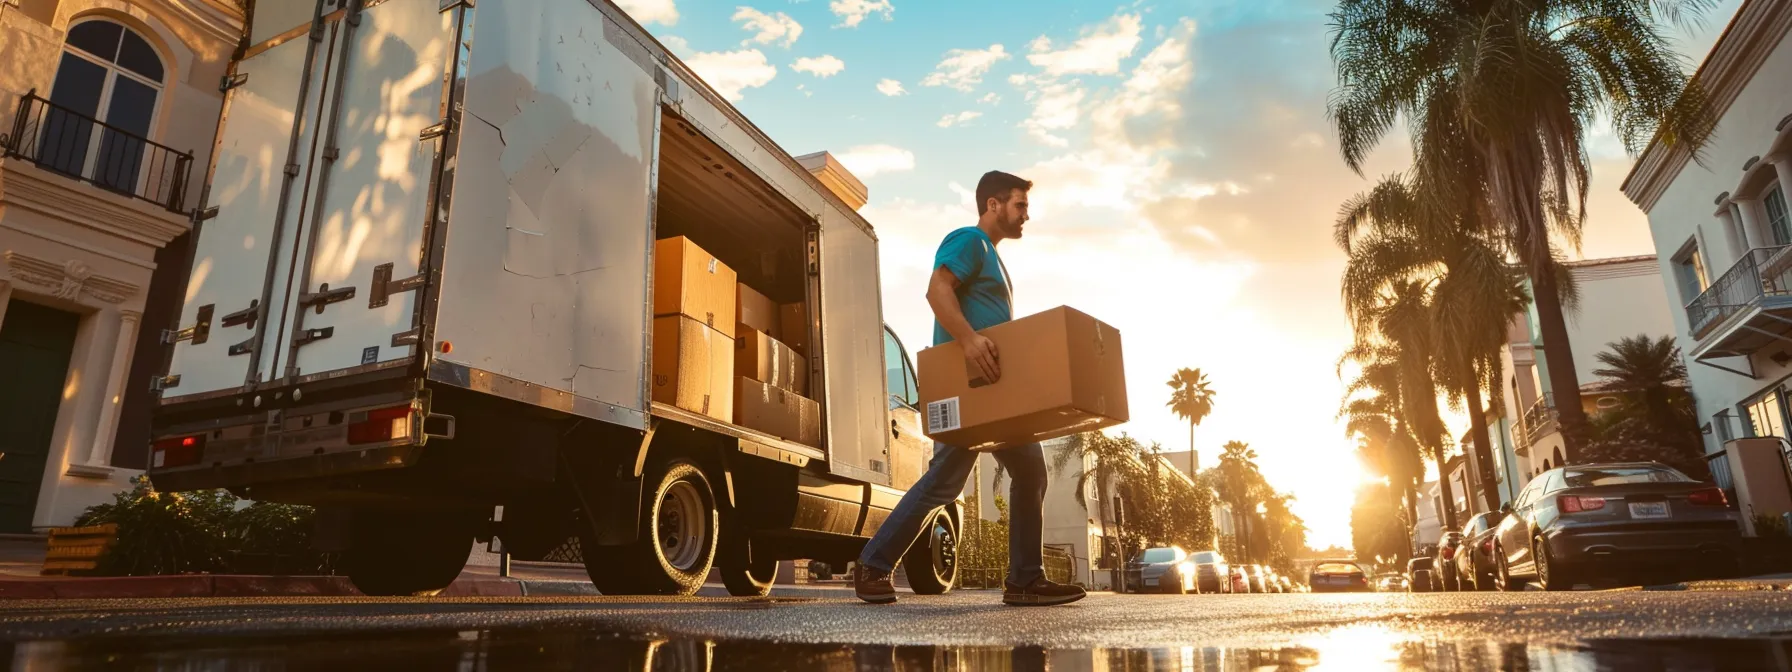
[(1348, 648)]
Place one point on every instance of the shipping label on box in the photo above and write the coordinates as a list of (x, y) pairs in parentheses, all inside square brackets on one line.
[(764, 359), (778, 412), (691, 282), (1062, 373), (693, 367), (756, 312)]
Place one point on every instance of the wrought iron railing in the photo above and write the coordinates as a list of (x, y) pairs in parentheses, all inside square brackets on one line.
[(1540, 418), (1764, 271), (64, 141)]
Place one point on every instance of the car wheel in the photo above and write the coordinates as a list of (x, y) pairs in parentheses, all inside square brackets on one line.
[(1551, 575), (754, 579), (1504, 579), (932, 563)]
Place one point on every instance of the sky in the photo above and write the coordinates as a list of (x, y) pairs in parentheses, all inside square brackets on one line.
[(1186, 181)]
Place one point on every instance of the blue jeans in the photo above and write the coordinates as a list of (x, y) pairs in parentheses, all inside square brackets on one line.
[(942, 484)]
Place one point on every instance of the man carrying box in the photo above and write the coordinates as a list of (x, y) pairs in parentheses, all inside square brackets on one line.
[(969, 291)]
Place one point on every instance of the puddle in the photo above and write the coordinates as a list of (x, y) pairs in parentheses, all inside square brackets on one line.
[(554, 649)]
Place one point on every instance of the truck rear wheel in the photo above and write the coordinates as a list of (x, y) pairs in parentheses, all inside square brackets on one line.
[(416, 553), (753, 579), (679, 528), (932, 562)]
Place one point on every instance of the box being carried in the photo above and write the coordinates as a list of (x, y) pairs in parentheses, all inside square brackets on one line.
[(1062, 374)]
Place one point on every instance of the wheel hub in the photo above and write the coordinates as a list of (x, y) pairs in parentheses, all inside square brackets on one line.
[(682, 527)]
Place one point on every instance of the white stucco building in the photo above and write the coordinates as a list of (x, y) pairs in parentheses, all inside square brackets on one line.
[(109, 109), (1722, 234)]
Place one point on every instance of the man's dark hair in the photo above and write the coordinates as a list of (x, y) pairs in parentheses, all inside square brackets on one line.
[(998, 185)]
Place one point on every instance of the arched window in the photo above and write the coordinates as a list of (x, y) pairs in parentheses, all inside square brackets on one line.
[(108, 74)]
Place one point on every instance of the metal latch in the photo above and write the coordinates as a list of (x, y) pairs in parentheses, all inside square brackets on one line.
[(310, 335), (325, 296), (198, 333), (433, 132), (814, 254), (384, 286), (232, 81), (160, 383), (246, 316), (243, 348)]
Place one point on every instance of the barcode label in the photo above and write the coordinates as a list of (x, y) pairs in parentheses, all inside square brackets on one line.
[(942, 416)]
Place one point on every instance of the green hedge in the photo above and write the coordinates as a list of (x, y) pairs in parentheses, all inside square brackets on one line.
[(204, 532)]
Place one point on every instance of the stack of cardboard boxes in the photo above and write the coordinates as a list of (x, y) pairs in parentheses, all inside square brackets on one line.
[(717, 351)]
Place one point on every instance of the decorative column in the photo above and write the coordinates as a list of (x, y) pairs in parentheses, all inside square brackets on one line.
[(116, 376), (1735, 234), (1752, 226), (1782, 165)]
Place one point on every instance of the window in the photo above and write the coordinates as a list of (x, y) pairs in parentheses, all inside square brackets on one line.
[(1689, 271), (899, 375), (1156, 555), (1580, 478), (108, 73), (1775, 204), (1765, 416), (1722, 422)]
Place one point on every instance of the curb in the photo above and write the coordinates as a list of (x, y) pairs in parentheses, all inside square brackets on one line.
[(231, 585)]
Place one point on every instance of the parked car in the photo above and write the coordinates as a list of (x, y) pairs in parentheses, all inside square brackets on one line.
[(1212, 573), (1419, 575), (1241, 581), (1390, 583), (1164, 569), (1338, 576), (1474, 563), (1256, 577), (1443, 565), (1597, 522), (1288, 585)]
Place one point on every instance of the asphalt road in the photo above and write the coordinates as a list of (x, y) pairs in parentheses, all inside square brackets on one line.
[(966, 630)]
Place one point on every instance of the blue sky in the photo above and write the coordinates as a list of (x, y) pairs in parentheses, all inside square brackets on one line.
[(1186, 180)]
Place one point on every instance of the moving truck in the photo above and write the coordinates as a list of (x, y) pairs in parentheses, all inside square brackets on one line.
[(422, 301)]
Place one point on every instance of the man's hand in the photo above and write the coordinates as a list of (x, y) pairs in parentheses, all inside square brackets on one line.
[(980, 354)]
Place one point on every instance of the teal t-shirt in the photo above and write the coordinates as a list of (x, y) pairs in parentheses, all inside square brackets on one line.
[(983, 289)]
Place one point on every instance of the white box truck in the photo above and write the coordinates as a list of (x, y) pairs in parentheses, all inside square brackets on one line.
[(421, 302)]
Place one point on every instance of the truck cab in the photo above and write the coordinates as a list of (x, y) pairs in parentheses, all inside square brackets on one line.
[(422, 302)]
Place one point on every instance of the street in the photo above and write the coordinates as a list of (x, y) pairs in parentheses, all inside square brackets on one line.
[(964, 630)]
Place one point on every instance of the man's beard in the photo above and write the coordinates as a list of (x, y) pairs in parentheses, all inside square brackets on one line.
[(1012, 229)]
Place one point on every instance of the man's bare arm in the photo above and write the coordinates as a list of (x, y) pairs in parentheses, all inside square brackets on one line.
[(979, 351)]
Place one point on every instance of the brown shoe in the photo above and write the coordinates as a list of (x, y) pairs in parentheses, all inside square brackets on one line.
[(873, 585), (1041, 593)]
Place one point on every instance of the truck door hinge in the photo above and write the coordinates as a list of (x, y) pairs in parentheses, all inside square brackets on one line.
[(404, 338), (310, 335), (246, 316), (451, 4), (204, 214), (814, 261), (325, 296), (384, 286), (433, 132), (232, 81), (198, 333), (160, 383)]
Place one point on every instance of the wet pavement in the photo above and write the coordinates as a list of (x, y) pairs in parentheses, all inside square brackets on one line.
[(963, 631)]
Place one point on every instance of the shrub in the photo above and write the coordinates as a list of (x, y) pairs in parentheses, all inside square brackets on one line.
[(1770, 525), (270, 538), (163, 532)]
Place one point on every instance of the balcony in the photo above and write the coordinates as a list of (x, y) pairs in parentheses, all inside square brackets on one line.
[(68, 143), (1540, 418), (1748, 308)]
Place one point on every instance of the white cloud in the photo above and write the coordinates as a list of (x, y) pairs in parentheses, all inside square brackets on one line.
[(1098, 52), (662, 12), (963, 69), (1153, 90), (852, 12), (733, 72), (1057, 106), (768, 28), (821, 66), (678, 45), (866, 161), (959, 119), (990, 99), (890, 87)]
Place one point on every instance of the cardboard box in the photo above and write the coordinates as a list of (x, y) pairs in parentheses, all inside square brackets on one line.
[(778, 412), (688, 281), (756, 312), (1062, 374), (793, 319), (766, 360), (693, 367)]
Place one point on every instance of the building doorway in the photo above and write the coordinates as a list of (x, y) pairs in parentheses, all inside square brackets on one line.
[(35, 345)]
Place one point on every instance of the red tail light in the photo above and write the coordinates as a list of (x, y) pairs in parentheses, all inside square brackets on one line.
[(1577, 504), (1487, 545), (1709, 497), (381, 425), (1448, 552), (179, 451)]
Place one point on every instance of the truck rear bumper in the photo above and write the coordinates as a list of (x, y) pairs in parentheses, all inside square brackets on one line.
[(248, 473)]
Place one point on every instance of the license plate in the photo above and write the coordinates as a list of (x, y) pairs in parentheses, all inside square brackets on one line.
[(1649, 510)]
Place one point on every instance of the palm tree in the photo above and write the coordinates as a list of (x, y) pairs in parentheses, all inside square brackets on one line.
[(1239, 479), (1392, 234), (1105, 461), (1191, 400), (1652, 370), (1396, 335), (1497, 96)]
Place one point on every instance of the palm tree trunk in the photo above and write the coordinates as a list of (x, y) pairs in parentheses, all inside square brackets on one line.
[(1191, 448), (1483, 440), (1443, 491), (1564, 383)]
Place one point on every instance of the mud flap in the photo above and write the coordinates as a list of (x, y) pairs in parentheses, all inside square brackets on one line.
[(607, 482)]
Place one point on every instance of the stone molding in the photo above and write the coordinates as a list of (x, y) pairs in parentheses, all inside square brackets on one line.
[(68, 281), (32, 188)]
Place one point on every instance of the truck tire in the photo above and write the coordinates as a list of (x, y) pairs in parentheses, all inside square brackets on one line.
[(679, 530), (751, 580), (407, 553), (932, 562)]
